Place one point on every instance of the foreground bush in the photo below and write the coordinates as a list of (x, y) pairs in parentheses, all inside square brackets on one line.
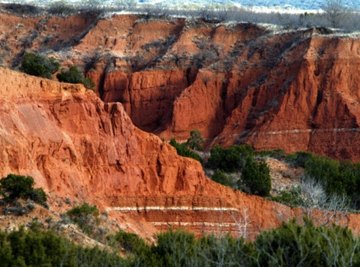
[(256, 178), (14, 187), (289, 245), (295, 245), (175, 249), (74, 75), (130, 242), (45, 248), (37, 65)]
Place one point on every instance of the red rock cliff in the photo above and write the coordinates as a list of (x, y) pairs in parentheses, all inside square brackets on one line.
[(78, 147), (295, 90)]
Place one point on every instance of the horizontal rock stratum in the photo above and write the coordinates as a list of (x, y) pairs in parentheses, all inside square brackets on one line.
[(78, 147), (236, 83)]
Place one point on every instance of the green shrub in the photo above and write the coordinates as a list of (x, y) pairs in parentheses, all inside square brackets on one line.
[(184, 151), (45, 248), (299, 159), (289, 245), (350, 177), (327, 170), (290, 198), (37, 65), (195, 141), (130, 242), (179, 248), (85, 216), (83, 210), (225, 251), (276, 153), (229, 159), (223, 178), (38, 195), (307, 245), (256, 178), (175, 248), (15, 186), (74, 75), (337, 178)]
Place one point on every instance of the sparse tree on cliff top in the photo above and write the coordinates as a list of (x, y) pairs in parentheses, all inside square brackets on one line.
[(335, 12)]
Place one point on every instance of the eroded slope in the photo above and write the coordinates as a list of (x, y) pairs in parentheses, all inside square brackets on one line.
[(78, 147), (236, 83)]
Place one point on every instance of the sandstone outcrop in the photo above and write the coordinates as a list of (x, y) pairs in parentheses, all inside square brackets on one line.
[(78, 147), (236, 83)]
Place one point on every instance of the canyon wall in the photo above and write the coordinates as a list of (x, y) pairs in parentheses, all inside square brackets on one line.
[(236, 83), (80, 149)]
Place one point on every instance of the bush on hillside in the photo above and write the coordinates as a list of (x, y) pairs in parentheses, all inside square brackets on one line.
[(256, 178), (225, 251), (275, 153), (307, 245), (339, 179), (175, 248), (14, 187), (195, 141), (45, 248), (289, 245), (37, 65), (230, 159), (327, 169), (290, 198), (83, 210), (223, 178), (74, 75), (130, 242), (85, 216), (183, 150), (349, 173), (299, 159)]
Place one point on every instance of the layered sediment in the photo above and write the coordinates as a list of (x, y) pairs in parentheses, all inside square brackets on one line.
[(80, 148), (236, 83)]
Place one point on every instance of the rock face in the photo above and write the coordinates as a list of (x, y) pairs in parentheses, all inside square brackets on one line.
[(48, 127), (78, 147), (315, 108), (295, 90)]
